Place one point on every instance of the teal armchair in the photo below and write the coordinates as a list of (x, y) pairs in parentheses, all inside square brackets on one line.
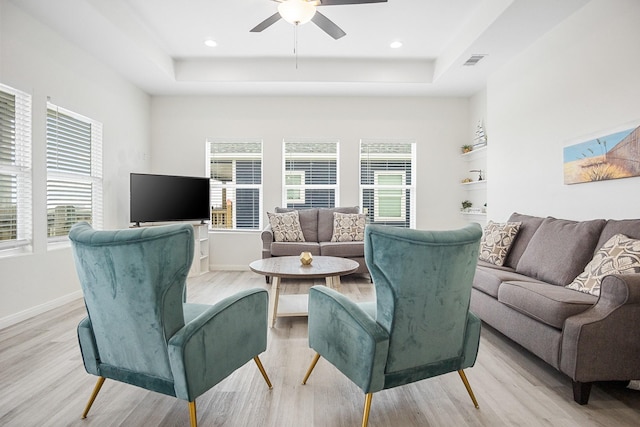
[(140, 331), (420, 325)]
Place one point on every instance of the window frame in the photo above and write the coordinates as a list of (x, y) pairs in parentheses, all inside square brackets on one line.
[(62, 177), (367, 158), (297, 187), (232, 185), (330, 154), (378, 188), (21, 167)]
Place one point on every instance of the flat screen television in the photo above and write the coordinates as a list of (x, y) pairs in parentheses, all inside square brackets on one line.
[(159, 198)]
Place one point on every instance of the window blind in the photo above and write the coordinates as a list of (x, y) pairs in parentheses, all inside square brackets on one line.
[(387, 189), (15, 169), (310, 174), (74, 171), (235, 168)]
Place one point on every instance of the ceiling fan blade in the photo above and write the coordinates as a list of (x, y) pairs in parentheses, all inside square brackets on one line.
[(340, 2), (266, 23), (328, 26)]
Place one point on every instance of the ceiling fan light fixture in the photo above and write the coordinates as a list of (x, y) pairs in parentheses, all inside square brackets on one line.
[(296, 12)]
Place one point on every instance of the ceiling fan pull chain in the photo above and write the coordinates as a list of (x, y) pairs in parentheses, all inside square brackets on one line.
[(295, 43)]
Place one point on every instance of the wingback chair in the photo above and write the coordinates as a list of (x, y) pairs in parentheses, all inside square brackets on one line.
[(418, 327), (139, 330)]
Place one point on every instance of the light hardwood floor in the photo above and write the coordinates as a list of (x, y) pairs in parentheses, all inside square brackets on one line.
[(43, 382)]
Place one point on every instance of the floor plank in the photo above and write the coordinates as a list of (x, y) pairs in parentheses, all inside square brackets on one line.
[(43, 382)]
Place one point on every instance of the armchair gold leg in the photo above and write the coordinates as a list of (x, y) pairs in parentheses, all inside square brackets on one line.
[(262, 371), (466, 384), (96, 390), (367, 409), (313, 365), (192, 414)]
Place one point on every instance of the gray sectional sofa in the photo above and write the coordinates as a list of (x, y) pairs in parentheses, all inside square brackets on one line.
[(588, 338), (317, 228)]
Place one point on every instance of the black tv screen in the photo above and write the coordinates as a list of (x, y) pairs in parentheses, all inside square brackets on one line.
[(156, 198)]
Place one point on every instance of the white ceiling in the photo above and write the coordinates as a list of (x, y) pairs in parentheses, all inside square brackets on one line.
[(159, 44)]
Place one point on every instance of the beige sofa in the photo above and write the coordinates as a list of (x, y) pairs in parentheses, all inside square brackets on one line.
[(317, 228), (588, 338)]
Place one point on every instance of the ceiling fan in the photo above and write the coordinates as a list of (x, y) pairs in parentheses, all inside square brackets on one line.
[(302, 11)]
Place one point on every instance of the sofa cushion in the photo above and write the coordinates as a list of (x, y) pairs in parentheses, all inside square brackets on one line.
[(619, 255), (496, 241), (628, 227), (342, 249), (551, 305), (294, 248), (286, 227), (308, 222), (493, 266), (559, 250), (348, 227), (528, 226), (488, 279), (325, 221)]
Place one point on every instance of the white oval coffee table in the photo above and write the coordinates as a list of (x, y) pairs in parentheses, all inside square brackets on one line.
[(327, 267)]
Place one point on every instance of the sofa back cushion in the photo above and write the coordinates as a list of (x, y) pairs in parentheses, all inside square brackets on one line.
[(628, 227), (528, 226), (325, 221), (560, 249), (308, 222)]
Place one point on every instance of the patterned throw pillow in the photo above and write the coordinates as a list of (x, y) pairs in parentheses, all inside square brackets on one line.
[(497, 240), (348, 227), (619, 255), (286, 226)]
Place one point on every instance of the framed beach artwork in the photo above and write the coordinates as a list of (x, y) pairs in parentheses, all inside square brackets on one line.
[(612, 156)]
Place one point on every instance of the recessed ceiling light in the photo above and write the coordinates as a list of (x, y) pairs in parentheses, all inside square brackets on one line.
[(396, 45), (210, 43)]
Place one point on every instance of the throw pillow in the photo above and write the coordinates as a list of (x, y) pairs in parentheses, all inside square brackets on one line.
[(619, 255), (286, 226), (348, 227), (496, 241), (559, 250)]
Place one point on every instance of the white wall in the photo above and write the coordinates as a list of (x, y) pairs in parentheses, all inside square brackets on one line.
[(34, 282), (478, 113), (180, 126), (582, 80)]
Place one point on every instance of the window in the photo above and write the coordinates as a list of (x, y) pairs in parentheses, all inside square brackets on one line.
[(387, 188), (74, 171), (236, 183), (389, 195), (15, 168), (310, 174), (294, 180)]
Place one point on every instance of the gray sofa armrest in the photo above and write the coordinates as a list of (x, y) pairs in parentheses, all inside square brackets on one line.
[(601, 344), (267, 239)]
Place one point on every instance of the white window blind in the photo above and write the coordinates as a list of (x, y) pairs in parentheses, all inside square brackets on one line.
[(15, 169), (236, 183), (310, 174), (74, 171), (387, 189)]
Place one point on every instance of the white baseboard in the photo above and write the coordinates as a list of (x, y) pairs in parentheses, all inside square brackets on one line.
[(39, 309), (226, 267)]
